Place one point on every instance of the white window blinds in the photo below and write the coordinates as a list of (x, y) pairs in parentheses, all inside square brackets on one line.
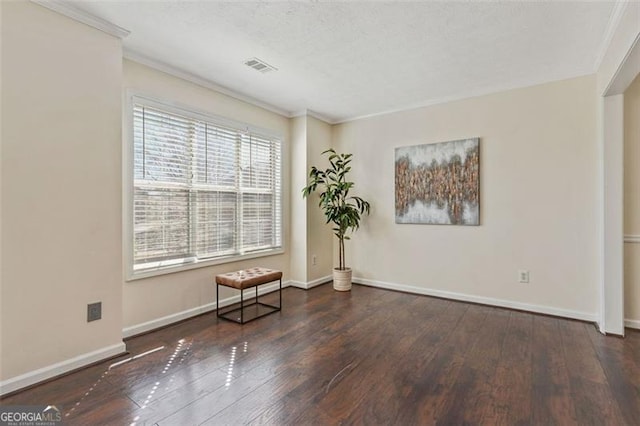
[(201, 190)]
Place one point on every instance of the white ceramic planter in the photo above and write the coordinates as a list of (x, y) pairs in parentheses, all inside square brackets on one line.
[(342, 279)]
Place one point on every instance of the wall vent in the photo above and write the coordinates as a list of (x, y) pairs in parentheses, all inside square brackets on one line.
[(259, 65)]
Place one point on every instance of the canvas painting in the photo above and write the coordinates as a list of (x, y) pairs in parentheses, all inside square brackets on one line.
[(439, 183)]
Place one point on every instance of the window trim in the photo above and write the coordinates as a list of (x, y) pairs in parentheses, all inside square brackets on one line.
[(132, 97)]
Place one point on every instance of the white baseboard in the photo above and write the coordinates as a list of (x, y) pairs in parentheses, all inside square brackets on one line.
[(632, 323), (311, 284), (180, 316), (33, 377), (584, 316)]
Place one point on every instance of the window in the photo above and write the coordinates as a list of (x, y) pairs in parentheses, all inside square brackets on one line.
[(203, 190)]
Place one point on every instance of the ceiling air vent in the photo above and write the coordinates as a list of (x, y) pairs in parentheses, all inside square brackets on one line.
[(259, 65)]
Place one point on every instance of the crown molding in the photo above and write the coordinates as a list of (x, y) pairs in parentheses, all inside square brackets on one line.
[(208, 84), (461, 97), (627, 70), (614, 20), (64, 8), (316, 115), (320, 117)]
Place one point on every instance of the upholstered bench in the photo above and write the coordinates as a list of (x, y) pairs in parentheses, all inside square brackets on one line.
[(242, 280)]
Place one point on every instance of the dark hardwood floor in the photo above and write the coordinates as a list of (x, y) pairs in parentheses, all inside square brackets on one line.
[(371, 357)]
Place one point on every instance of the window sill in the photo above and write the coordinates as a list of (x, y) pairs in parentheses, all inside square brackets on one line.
[(133, 276)]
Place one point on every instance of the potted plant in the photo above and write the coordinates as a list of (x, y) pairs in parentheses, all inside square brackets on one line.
[(340, 208)]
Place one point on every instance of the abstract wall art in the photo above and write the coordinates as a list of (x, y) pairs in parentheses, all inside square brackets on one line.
[(439, 183)]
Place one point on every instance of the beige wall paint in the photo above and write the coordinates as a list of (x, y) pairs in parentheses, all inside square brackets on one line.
[(156, 297), (632, 199), (61, 192), (1, 173), (632, 158), (319, 234), (309, 234), (539, 185), (298, 204), (632, 282)]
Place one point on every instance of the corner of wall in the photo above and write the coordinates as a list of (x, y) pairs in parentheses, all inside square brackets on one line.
[(65, 249), (298, 223)]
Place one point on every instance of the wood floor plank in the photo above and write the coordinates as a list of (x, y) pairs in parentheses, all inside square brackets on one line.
[(382, 339), (593, 398), (156, 409), (264, 399), (552, 399), (472, 392), (222, 397), (364, 357), (620, 365), (511, 395), (114, 410), (418, 332), (332, 357), (431, 386)]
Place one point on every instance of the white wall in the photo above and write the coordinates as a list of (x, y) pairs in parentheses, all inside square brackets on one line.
[(538, 199), (61, 199), (152, 298), (632, 201)]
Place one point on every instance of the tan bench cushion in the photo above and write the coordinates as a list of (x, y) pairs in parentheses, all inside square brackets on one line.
[(248, 277)]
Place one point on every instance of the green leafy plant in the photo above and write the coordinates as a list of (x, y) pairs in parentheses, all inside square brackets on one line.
[(343, 210)]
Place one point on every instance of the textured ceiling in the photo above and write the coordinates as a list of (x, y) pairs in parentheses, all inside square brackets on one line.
[(344, 60)]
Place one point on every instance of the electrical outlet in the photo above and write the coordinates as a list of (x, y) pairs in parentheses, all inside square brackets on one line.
[(523, 276), (94, 311), (314, 260)]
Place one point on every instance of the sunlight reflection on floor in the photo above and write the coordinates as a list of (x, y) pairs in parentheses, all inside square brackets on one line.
[(175, 359), (232, 360), (181, 347)]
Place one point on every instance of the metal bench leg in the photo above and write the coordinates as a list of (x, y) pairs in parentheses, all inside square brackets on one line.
[(217, 300), (241, 307), (280, 293)]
